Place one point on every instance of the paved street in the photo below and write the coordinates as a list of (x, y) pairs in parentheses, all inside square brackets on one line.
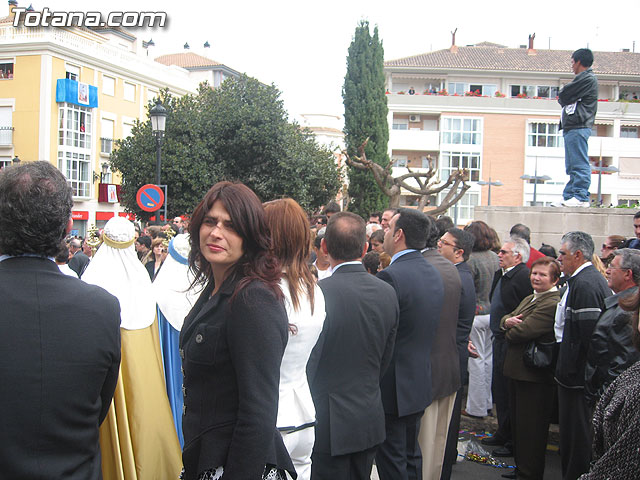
[(475, 429)]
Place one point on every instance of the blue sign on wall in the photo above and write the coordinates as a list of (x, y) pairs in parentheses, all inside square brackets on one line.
[(78, 93)]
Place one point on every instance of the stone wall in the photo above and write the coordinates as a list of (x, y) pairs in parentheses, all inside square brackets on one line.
[(548, 224)]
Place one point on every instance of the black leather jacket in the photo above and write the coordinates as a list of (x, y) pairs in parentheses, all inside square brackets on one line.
[(583, 91), (611, 350)]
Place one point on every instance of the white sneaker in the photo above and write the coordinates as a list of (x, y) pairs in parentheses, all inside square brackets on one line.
[(559, 203), (574, 202)]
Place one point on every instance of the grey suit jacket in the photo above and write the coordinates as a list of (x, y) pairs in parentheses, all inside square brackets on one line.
[(445, 364)]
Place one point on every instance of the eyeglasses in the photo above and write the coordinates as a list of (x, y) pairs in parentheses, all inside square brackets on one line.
[(449, 244), (617, 268), (608, 247), (505, 252)]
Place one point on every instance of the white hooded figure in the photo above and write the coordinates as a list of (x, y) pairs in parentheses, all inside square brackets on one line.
[(175, 297), (138, 439)]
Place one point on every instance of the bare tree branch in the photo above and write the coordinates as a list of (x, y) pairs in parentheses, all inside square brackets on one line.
[(427, 182)]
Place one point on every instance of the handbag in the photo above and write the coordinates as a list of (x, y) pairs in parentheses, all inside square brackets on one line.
[(539, 354)]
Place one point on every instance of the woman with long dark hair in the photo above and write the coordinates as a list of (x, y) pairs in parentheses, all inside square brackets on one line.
[(304, 302), (232, 343)]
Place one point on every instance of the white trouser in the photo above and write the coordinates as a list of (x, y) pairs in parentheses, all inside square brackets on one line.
[(479, 399), (299, 445)]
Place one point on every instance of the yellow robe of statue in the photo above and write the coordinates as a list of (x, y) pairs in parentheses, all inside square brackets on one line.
[(138, 438)]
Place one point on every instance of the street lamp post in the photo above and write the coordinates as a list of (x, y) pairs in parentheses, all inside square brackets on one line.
[(158, 116), (104, 172), (601, 169), (536, 179), (497, 183)]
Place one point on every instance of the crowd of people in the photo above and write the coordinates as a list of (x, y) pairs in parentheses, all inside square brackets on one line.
[(249, 341)]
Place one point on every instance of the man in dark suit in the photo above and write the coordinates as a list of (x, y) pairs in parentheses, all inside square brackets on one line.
[(445, 364), (353, 351), (60, 338), (456, 245), (510, 285), (79, 261), (406, 387)]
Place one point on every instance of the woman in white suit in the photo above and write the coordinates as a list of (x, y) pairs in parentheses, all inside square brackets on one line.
[(304, 303)]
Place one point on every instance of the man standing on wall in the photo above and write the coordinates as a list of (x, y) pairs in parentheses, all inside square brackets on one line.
[(579, 100)]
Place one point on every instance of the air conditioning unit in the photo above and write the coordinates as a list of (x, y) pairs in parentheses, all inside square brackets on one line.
[(414, 118)]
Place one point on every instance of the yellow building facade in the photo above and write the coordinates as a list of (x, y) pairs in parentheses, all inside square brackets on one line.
[(66, 94)]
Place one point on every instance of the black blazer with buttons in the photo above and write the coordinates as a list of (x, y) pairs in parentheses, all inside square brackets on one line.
[(231, 361), (60, 344)]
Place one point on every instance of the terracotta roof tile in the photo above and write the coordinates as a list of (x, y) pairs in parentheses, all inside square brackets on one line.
[(518, 59), (187, 60)]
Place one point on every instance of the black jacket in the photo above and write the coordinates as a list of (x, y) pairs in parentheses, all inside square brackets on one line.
[(611, 349), (515, 285), (231, 356), (466, 314), (352, 353), (583, 91), (60, 344), (585, 303), (406, 387)]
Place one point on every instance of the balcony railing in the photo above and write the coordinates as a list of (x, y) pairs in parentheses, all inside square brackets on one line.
[(106, 145), (6, 136)]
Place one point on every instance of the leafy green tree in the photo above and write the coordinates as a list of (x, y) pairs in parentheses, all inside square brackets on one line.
[(365, 116), (238, 132)]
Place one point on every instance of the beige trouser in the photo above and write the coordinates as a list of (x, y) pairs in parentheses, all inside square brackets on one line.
[(433, 435)]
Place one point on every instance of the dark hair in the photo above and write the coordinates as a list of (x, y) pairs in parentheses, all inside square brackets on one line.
[(548, 250), (464, 241), (432, 235), (371, 262), (331, 207), (322, 218), (393, 210), (378, 215), (290, 243), (414, 226), (554, 269), (345, 236), (485, 236), (637, 215), (318, 240), (35, 208), (618, 241), (631, 303), (444, 223), (63, 253), (144, 240), (378, 236), (521, 231), (584, 56), (248, 219)]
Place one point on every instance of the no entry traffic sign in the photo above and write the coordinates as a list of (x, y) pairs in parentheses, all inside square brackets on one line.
[(150, 198)]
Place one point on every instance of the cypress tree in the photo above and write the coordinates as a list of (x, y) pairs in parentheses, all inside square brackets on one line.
[(365, 116)]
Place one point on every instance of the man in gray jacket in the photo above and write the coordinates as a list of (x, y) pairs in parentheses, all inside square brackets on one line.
[(579, 100)]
